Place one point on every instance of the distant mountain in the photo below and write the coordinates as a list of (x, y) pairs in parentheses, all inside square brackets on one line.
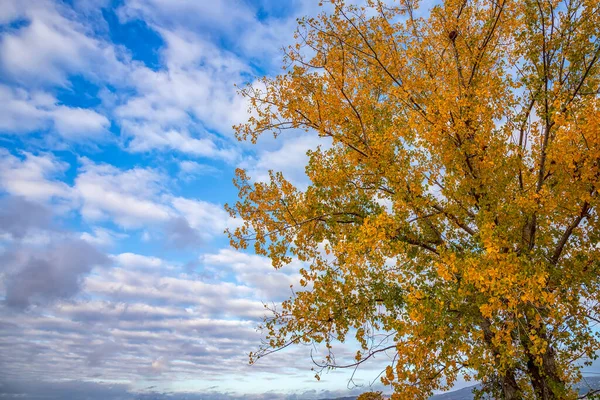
[(461, 394), (588, 383)]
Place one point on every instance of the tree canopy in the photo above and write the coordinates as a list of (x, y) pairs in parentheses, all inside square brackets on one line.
[(370, 396), (456, 209)]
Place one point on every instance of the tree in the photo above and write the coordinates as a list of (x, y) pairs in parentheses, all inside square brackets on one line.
[(370, 396), (456, 209)]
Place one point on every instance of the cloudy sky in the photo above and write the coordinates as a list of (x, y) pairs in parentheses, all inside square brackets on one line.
[(116, 158)]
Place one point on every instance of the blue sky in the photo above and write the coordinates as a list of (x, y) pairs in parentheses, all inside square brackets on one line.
[(116, 158)]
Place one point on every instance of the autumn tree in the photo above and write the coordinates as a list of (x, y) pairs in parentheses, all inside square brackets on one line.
[(454, 204), (370, 396)]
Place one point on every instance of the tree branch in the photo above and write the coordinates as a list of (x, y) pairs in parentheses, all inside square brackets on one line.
[(567, 234)]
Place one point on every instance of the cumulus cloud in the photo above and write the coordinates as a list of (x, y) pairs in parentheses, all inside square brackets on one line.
[(221, 15), (209, 218), (52, 44), (180, 234), (102, 237), (33, 176), (46, 275), (206, 299), (132, 198), (187, 105), (137, 311), (40, 272), (236, 23), (143, 319), (180, 105), (189, 170), (19, 217), (257, 272), (177, 107), (128, 197), (132, 261), (25, 112), (139, 197), (22, 111), (73, 122)]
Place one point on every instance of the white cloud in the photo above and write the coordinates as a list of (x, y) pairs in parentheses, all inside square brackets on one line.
[(176, 108), (34, 275), (102, 237), (140, 197), (137, 313), (128, 197), (52, 45), (258, 272), (290, 159), (132, 198), (132, 260), (219, 15), (11, 10), (233, 21), (25, 112), (238, 261), (147, 136), (22, 112), (208, 218), (190, 169), (72, 121), (147, 284), (33, 176)]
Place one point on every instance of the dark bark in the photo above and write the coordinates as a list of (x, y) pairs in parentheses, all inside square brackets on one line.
[(544, 378), (508, 382)]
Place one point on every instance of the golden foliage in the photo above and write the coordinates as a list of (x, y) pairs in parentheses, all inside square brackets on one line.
[(370, 396), (457, 206)]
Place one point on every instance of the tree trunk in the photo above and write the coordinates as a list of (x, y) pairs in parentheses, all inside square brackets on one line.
[(545, 379), (508, 382)]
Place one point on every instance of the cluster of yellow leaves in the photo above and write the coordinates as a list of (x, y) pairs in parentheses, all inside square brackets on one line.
[(370, 396), (456, 205)]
